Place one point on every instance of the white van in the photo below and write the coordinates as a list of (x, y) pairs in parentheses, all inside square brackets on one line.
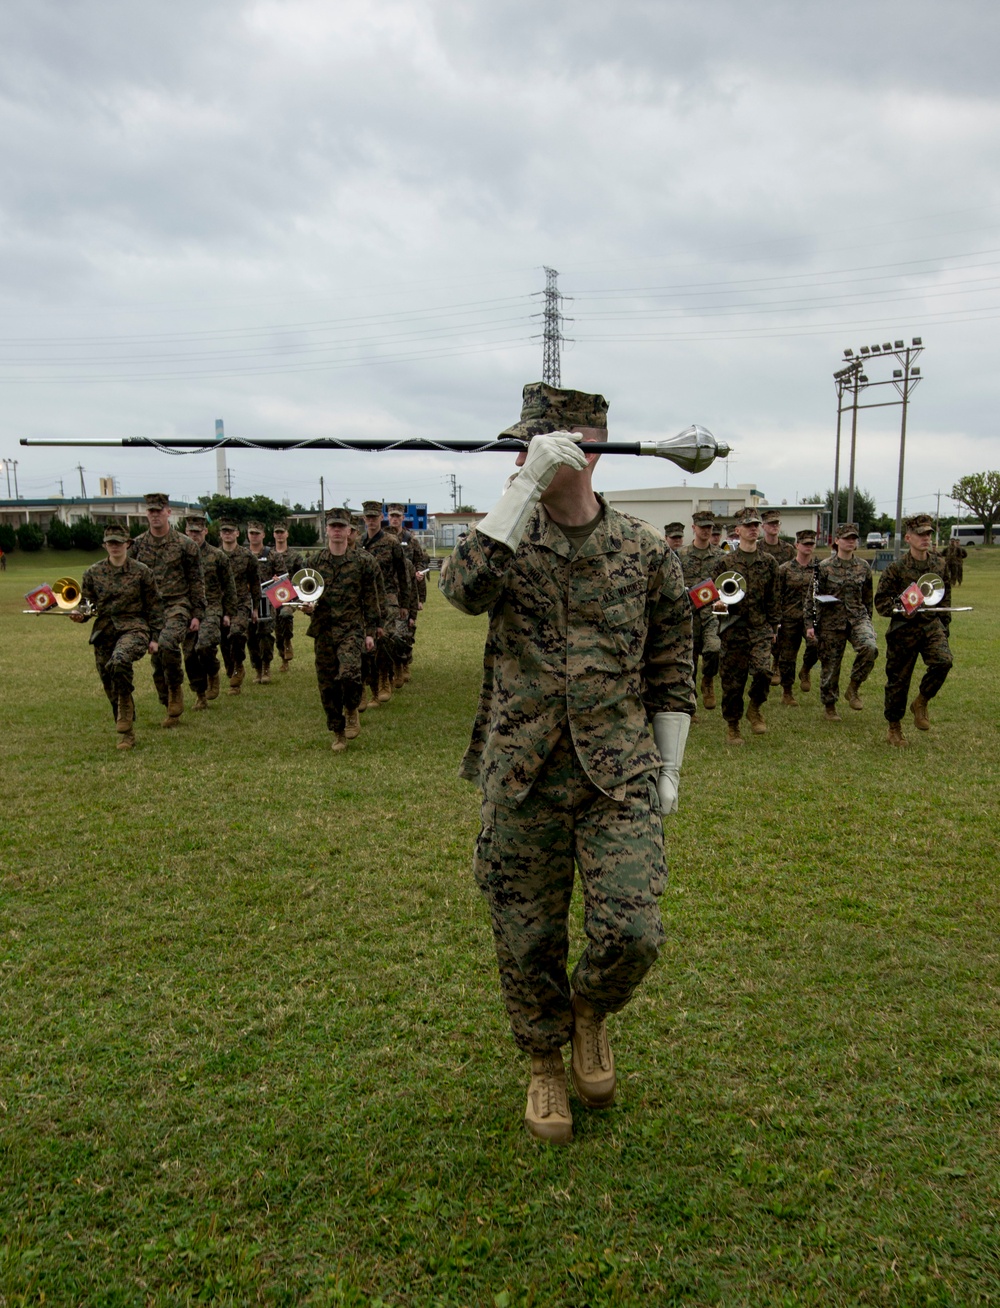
[(971, 533)]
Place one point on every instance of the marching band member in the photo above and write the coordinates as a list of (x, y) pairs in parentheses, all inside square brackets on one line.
[(201, 648), (833, 625), (127, 612), (245, 579), (288, 561)]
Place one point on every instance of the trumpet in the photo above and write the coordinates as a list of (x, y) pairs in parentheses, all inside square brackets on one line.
[(62, 597), (932, 587)]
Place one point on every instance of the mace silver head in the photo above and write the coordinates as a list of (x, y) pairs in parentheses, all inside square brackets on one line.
[(694, 449)]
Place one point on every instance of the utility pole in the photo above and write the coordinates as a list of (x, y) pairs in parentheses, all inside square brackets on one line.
[(17, 493), (937, 521), (83, 488), (552, 336), (458, 500), (454, 490), (6, 468), (222, 481)]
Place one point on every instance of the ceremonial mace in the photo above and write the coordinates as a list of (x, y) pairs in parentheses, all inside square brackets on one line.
[(694, 449)]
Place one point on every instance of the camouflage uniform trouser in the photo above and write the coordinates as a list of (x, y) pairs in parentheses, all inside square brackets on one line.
[(168, 663), (260, 642), (790, 637), (926, 637), (234, 642), (201, 652), (114, 657), (832, 642), (523, 864), (284, 630), (746, 654), (338, 671), (707, 642)]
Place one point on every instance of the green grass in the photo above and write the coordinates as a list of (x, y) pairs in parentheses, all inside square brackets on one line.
[(251, 1044)]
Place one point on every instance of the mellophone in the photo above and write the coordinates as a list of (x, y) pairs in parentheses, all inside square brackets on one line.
[(307, 585), (932, 587), (62, 598)]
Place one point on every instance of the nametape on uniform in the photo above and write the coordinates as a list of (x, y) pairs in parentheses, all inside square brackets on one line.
[(704, 592), (281, 592), (41, 598), (912, 598)]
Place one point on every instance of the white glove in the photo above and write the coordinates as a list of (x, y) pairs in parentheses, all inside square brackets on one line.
[(508, 518), (670, 731)]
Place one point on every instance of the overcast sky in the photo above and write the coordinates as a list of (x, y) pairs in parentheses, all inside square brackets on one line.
[(316, 218)]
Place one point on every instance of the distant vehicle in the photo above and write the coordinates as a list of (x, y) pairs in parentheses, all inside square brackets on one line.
[(877, 540), (972, 533)]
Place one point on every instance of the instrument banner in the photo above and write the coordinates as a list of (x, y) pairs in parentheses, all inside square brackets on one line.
[(702, 593), (41, 598), (912, 598), (281, 592)]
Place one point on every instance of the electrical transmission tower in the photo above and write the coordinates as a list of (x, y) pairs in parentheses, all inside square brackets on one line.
[(552, 335)]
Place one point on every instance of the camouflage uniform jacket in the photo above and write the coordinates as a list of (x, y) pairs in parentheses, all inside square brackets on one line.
[(851, 581), (220, 586), (596, 644), (418, 557), (782, 551), (264, 563), (349, 603), (900, 574), (759, 606), (124, 599), (387, 552), (176, 563), (243, 567), (697, 564), (291, 562), (795, 585)]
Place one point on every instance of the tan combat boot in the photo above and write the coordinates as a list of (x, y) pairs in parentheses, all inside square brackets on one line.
[(398, 680), (353, 729), (895, 734), (805, 685), (200, 703), (175, 706), (406, 673), (547, 1115), (756, 719), (258, 676), (733, 736), (125, 716), (236, 680), (775, 677), (919, 710), (384, 689), (708, 692), (265, 676), (831, 714), (287, 653), (213, 687), (788, 699), (285, 665), (339, 743), (852, 696), (593, 1064), (126, 740)]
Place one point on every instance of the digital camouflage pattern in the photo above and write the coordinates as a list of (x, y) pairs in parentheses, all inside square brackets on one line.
[(954, 557), (781, 551), (176, 564), (747, 630), (127, 610), (523, 864), (600, 642), (836, 624), (795, 583), (419, 558), (924, 634), (201, 648), (344, 615), (697, 566), (290, 561), (385, 550), (233, 642), (260, 636), (547, 408)]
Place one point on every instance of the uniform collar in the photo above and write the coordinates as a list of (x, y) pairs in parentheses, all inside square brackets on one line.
[(606, 538)]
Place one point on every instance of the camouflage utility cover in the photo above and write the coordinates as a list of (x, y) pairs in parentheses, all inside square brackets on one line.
[(598, 642), (547, 408)]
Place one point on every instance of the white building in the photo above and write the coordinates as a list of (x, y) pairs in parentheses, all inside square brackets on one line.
[(659, 505)]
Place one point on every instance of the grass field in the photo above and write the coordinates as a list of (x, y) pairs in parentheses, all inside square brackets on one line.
[(251, 1044)]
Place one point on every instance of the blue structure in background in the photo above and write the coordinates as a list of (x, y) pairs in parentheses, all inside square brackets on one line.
[(414, 517)]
